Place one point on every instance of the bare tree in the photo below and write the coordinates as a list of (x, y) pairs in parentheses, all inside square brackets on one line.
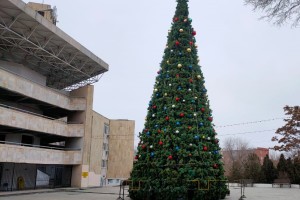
[(290, 132), (280, 11), (235, 153)]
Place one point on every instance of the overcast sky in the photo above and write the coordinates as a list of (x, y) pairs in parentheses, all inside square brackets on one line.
[(251, 67)]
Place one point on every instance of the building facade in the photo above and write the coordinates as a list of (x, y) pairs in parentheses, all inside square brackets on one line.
[(239, 156), (50, 136)]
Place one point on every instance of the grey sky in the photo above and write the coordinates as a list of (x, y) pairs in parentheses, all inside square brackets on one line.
[(251, 67)]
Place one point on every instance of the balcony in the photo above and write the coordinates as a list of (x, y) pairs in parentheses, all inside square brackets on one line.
[(38, 155), (29, 89), (16, 118)]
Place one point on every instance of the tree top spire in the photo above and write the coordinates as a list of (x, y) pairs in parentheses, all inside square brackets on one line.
[(182, 8)]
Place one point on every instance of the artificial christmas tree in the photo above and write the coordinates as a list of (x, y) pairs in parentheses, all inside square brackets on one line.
[(178, 154)]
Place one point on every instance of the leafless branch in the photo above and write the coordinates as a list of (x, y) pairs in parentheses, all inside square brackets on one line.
[(279, 11)]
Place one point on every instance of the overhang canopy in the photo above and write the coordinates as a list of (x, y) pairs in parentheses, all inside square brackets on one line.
[(28, 38)]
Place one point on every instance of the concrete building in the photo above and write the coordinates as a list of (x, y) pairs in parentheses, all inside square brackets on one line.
[(50, 136)]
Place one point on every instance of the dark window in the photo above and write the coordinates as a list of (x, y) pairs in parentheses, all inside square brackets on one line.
[(0, 174), (26, 139), (2, 138), (41, 13)]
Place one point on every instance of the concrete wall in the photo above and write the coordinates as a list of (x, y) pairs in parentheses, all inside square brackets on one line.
[(36, 91), (21, 154), (26, 121), (95, 159), (23, 71), (39, 7), (121, 149)]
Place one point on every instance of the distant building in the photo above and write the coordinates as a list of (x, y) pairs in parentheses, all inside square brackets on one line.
[(50, 136), (261, 153), (239, 155)]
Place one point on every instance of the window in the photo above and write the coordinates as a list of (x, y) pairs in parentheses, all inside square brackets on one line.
[(41, 13), (0, 173), (27, 140), (2, 139), (105, 147), (106, 129), (104, 163)]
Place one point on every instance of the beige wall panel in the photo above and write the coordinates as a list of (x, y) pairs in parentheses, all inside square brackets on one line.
[(26, 121), (87, 92), (85, 179), (97, 142), (21, 154), (76, 176), (121, 146), (94, 179), (39, 7), (23, 86)]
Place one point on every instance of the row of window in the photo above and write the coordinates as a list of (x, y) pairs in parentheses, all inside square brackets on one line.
[(105, 145)]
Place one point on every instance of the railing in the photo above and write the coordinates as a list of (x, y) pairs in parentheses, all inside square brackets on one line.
[(31, 113), (39, 146)]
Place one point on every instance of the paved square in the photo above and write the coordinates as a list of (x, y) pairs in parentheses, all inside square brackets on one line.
[(111, 193)]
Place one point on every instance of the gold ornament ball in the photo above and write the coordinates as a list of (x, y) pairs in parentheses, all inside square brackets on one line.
[(189, 49), (168, 62), (185, 20), (166, 94), (198, 76), (179, 65), (181, 30)]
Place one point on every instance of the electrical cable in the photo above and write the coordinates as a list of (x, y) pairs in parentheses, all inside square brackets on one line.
[(252, 122)]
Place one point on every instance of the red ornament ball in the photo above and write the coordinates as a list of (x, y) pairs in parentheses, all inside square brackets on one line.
[(175, 19), (181, 114), (202, 109), (191, 43), (154, 107), (160, 143), (194, 32), (167, 118), (215, 166), (177, 75), (159, 131), (143, 146), (189, 127), (177, 99), (191, 80), (170, 157), (177, 43), (216, 141), (210, 119), (205, 148), (190, 154), (136, 157)]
